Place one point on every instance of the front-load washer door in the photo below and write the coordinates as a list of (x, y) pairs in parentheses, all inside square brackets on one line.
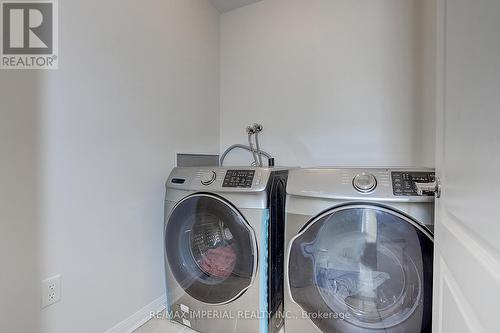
[(363, 268), (210, 249)]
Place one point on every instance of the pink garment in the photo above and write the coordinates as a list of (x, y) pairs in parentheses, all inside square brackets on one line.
[(219, 262)]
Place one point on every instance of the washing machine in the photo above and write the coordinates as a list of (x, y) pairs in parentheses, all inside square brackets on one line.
[(224, 248), (359, 253)]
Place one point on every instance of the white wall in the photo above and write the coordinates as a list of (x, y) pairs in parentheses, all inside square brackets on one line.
[(335, 82), (19, 201), (425, 112), (87, 150)]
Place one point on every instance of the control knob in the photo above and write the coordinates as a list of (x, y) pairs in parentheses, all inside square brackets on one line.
[(364, 182), (208, 178)]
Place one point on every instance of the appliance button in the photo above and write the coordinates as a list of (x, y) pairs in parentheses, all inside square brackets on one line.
[(365, 182)]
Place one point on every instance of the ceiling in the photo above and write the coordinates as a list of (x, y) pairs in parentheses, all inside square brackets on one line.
[(227, 5)]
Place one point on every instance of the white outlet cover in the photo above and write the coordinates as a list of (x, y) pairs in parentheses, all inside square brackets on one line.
[(51, 291)]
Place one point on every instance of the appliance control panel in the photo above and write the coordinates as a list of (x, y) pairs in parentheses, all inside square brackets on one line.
[(239, 178), (403, 183)]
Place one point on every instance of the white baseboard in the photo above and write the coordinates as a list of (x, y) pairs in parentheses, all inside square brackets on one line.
[(140, 317)]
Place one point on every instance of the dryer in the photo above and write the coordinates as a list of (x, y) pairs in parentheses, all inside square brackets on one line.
[(224, 241), (359, 253)]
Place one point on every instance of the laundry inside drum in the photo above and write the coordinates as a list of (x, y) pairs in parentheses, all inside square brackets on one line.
[(376, 284), (212, 246), (370, 295)]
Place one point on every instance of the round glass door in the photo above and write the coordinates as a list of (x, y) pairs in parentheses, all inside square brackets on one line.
[(369, 265), (210, 248)]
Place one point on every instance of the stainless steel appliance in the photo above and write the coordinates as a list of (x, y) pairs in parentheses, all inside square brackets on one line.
[(224, 243), (359, 252)]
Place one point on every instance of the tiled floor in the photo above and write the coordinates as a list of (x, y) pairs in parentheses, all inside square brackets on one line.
[(163, 326)]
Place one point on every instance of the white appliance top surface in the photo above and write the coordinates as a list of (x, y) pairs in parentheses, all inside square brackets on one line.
[(390, 184)]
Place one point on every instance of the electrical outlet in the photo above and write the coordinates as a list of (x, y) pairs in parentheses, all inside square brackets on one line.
[(51, 291)]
